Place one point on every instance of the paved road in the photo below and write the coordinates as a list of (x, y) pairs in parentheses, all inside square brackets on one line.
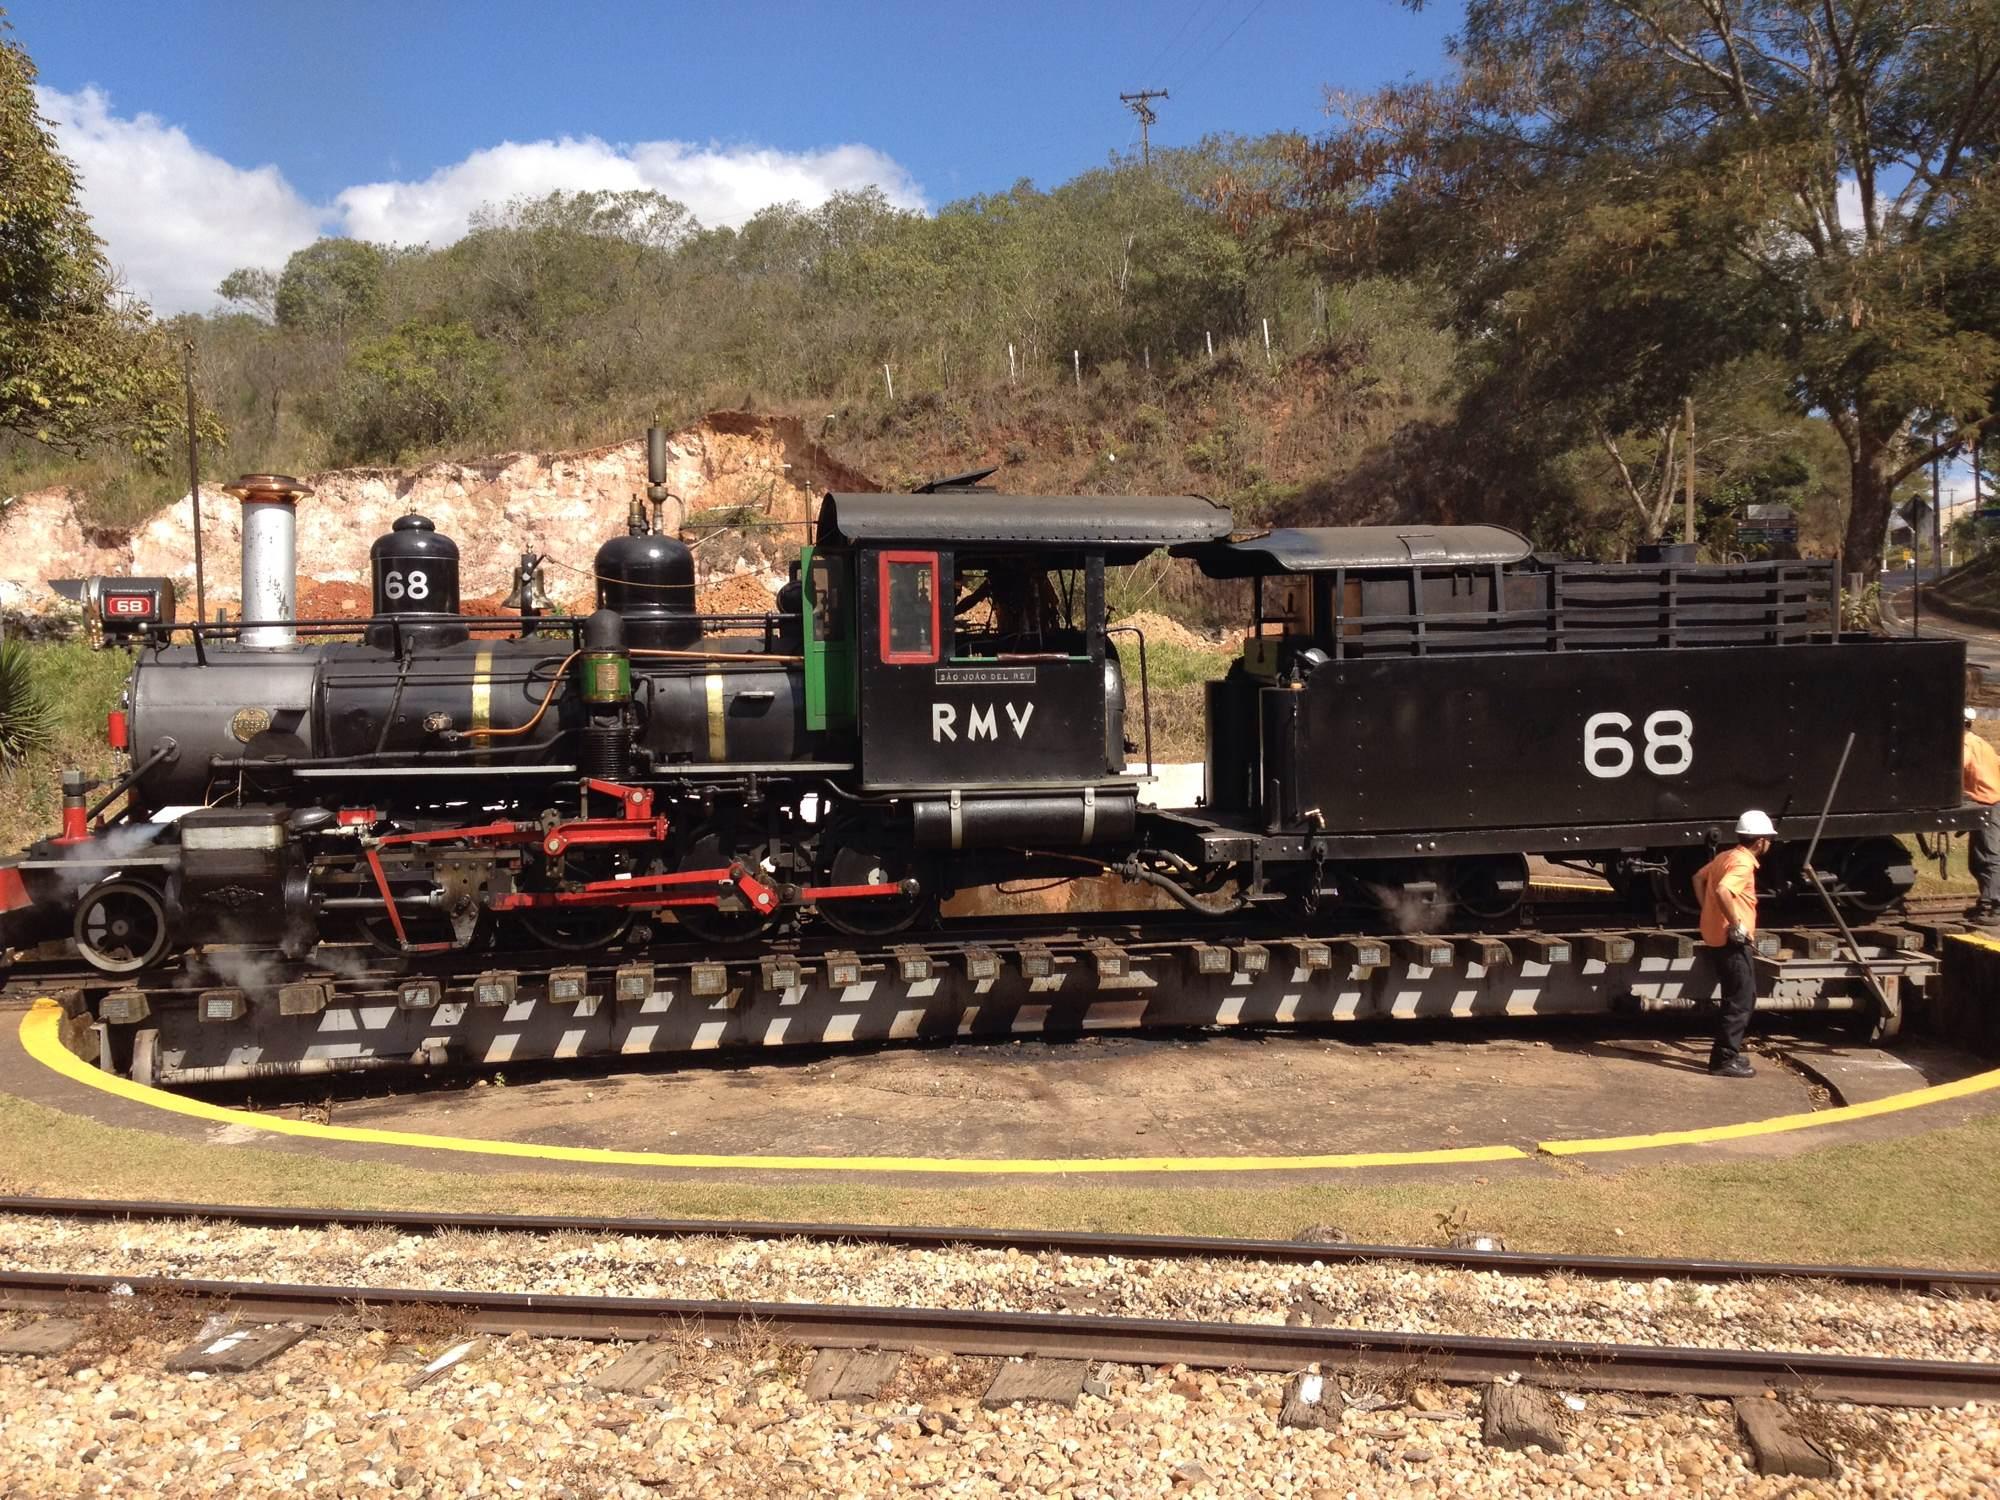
[(1982, 647)]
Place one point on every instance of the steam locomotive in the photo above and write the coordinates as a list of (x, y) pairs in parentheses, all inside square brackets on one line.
[(938, 700)]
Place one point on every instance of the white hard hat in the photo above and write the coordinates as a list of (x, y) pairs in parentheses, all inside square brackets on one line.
[(1755, 825)]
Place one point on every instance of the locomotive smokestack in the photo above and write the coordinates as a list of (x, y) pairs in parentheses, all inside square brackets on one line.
[(270, 555)]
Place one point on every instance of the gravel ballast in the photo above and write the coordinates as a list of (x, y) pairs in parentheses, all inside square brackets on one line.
[(334, 1416), (1814, 1317)]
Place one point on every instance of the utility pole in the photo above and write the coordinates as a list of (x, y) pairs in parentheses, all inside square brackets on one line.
[(1687, 514), (1139, 104)]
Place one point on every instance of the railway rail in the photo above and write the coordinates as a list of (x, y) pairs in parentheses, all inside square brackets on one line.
[(1026, 1241), (1868, 1379)]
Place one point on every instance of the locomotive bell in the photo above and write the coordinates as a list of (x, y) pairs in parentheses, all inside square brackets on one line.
[(650, 581), (415, 573)]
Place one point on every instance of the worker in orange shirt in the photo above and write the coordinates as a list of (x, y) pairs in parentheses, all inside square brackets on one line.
[(1727, 888), (1982, 786)]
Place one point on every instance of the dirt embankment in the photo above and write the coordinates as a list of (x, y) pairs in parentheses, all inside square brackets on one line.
[(761, 474)]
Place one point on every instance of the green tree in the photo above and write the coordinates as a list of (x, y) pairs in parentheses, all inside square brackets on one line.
[(421, 386), (253, 289), (331, 286), (81, 363), (1624, 194)]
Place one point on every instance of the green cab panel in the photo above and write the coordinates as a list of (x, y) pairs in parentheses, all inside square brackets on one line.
[(829, 637)]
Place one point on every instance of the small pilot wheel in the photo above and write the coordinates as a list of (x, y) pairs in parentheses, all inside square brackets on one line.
[(121, 926)]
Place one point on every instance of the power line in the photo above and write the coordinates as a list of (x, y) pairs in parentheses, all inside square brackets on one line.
[(1248, 17), (1138, 103), (1179, 31)]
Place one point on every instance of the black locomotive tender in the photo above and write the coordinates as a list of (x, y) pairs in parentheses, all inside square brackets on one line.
[(939, 701)]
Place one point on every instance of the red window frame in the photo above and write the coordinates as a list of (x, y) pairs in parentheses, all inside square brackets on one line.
[(904, 658)]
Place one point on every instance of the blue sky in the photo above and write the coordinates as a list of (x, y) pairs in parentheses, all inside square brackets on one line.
[(394, 120)]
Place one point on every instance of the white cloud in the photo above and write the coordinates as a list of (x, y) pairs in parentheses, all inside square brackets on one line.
[(176, 219), (721, 185)]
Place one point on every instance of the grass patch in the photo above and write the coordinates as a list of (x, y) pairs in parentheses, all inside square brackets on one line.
[(1177, 676), (1931, 1197), (1954, 879), (1977, 583), (82, 685)]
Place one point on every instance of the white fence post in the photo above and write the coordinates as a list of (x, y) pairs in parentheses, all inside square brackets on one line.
[(890, 381), (1077, 355)]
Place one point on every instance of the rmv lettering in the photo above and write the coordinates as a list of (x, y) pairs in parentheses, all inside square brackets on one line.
[(981, 723)]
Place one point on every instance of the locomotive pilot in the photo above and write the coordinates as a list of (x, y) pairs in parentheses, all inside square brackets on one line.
[(1727, 889)]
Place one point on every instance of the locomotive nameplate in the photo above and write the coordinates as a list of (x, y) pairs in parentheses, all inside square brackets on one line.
[(247, 723), (982, 676)]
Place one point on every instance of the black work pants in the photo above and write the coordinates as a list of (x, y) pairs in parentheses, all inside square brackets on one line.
[(1737, 974), (1984, 858)]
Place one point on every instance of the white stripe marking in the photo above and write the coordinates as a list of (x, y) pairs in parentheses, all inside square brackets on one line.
[(1114, 1014), (1031, 1018), (1230, 1011), (708, 1036), (501, 1048), (906, 1021), (841, 1028), (639, 1039), (774, 1034)]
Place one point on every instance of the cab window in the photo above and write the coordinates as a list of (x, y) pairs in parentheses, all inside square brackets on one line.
[(909, 607), (829, 600)]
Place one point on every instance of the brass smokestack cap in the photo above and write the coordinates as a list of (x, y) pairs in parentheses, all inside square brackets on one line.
[(268, 489)]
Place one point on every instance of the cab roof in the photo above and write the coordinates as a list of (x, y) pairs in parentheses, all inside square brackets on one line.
[(1116, 523), (1320, 549)]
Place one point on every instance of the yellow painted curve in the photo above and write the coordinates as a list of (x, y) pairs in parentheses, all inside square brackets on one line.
[(1963, 1088), (41, 1038)]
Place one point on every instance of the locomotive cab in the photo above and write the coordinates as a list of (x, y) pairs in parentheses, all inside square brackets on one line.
[(966, 632)]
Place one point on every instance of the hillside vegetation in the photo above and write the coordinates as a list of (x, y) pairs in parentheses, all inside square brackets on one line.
[(1106, 336)]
